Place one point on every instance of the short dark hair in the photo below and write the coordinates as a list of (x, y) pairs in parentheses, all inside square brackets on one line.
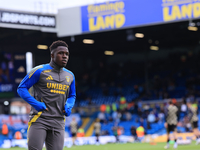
[(55, 44)]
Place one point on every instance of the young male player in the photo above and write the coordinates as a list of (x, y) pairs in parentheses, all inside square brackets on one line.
[(73, 128), (97, 130), (171, 123), (193, 117), (54, 96)]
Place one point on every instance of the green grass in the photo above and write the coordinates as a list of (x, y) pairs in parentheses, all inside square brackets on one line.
[(128, 146)]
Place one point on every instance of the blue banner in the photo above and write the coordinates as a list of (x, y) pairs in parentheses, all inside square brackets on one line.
[(129, 13)]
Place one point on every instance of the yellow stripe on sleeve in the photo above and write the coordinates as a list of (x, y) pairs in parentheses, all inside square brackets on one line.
[(34, 70)]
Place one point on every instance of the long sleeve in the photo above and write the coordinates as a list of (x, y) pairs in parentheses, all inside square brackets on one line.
[(190, 114), (28, 81), (166, 115), (72, 94)]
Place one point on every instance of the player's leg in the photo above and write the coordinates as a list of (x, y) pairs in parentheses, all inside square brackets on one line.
[(175, 136), (73, 138), (196, 131), (168, 128), (97, 138), (55, 139), (36, 136)]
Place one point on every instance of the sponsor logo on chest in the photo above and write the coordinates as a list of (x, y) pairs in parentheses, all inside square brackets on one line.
[(57, 87)]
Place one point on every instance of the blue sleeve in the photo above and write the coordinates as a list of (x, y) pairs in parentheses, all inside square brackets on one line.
[(72, 94), (28, 81)]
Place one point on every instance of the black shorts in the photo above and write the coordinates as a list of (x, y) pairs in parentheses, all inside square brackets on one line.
[(73, 134), (171, 127), (195, 124), (97, 134)]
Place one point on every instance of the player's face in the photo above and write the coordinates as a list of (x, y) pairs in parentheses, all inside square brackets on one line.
[(60, 56), (189, 105)]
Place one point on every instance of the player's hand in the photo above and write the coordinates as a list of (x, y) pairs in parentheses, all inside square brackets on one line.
[(67, 111), (165, 125), (40, 106)]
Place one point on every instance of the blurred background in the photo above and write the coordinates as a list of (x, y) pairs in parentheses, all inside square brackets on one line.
[(129, 57)]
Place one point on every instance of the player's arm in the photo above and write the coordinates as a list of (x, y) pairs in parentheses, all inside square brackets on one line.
[(190, 114), (178, 113), (28, 81), (71, 99), (166, 115)]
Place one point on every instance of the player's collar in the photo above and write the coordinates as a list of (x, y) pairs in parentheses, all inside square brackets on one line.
[(55, 66)]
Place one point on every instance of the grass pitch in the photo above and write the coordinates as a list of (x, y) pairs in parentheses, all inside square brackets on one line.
[(127, 146)]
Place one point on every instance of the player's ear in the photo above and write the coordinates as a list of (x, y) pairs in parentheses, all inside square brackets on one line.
[(52, 55)]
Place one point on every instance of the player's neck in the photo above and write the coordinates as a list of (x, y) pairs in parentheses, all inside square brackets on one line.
[(55, 66)]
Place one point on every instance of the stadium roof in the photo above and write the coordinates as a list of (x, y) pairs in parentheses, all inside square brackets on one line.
[(165, 36), (120, 41)]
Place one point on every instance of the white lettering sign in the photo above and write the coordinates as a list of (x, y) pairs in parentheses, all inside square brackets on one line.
[(27, 19)]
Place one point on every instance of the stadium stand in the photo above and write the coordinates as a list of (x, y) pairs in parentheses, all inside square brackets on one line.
[(177, 78)]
